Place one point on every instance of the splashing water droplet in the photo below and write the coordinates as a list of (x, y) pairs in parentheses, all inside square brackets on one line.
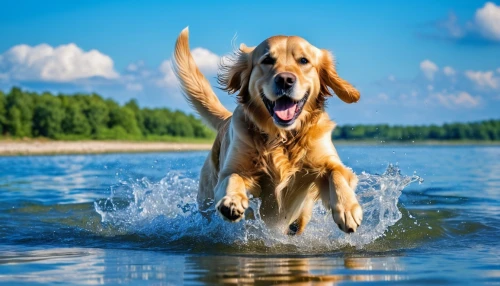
[(167, 210)]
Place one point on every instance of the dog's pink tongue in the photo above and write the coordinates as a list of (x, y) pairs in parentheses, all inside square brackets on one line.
[(285, 110)]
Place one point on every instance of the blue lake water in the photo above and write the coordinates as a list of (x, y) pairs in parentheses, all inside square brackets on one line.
[(432, 215)]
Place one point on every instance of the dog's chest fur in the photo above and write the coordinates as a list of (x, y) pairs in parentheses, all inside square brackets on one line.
[(282, 161), (284, 155)]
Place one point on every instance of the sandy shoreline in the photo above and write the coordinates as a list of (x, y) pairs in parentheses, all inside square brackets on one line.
[(10, 148), (47, 147)]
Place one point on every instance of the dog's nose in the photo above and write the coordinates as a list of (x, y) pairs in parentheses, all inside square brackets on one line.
[(285, 80)]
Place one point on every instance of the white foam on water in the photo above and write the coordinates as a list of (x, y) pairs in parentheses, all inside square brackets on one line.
[(168, 211)]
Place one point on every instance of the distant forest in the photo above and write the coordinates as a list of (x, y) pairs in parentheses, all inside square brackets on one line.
[(89, 116), (488, 130)]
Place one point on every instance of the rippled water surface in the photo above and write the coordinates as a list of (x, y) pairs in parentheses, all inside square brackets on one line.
[(431, 215)]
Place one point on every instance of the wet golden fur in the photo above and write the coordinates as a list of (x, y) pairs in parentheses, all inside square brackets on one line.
[(288, 168)]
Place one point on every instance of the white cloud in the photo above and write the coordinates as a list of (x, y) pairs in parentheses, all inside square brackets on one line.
[(498, 70), (462, 99), (452, 26), (449, 71), (134, 86), (450, 93), (168, 79), (64, 63), (483, 79), (487, 21), (382, 96), (429, 69), (133, 67), (391, 78), (485, 24), (207, 62)]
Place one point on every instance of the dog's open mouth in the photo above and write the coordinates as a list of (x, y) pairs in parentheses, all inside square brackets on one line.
[(285, 110)]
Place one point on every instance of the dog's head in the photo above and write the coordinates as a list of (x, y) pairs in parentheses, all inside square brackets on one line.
[(284, 78)]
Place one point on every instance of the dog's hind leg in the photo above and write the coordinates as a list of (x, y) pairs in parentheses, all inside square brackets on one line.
[(299, 225), (208, 180)]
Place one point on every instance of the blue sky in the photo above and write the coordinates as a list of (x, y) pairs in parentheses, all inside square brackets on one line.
[(415, 62)]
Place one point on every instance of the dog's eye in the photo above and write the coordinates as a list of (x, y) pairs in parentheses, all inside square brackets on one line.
[(303, 61), (267, 61)]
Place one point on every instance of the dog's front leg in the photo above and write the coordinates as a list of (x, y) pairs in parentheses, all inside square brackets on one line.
[(346, 211), (337, 185), (231, 197)]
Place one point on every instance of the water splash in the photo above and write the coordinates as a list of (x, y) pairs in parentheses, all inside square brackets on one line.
[(167, 210)]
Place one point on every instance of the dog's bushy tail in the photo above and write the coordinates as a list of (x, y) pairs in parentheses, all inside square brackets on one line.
[(195, 86)]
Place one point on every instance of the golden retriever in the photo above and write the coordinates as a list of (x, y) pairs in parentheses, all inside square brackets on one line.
[(277, 143)]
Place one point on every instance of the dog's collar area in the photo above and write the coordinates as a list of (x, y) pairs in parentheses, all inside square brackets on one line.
[(271, 107)]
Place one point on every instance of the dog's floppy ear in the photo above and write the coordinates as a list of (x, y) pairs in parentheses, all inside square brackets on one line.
[(330, 78), (234, 72)]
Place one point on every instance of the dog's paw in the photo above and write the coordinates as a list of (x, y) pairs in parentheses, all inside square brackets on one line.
[(348, 216), (232, 208)]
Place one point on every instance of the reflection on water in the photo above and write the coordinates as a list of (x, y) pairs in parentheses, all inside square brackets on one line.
[(97, 266), (266, 271), (53, 265)]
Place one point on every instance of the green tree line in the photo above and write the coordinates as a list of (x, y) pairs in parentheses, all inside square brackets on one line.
[(488, 130), (89, 116)]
